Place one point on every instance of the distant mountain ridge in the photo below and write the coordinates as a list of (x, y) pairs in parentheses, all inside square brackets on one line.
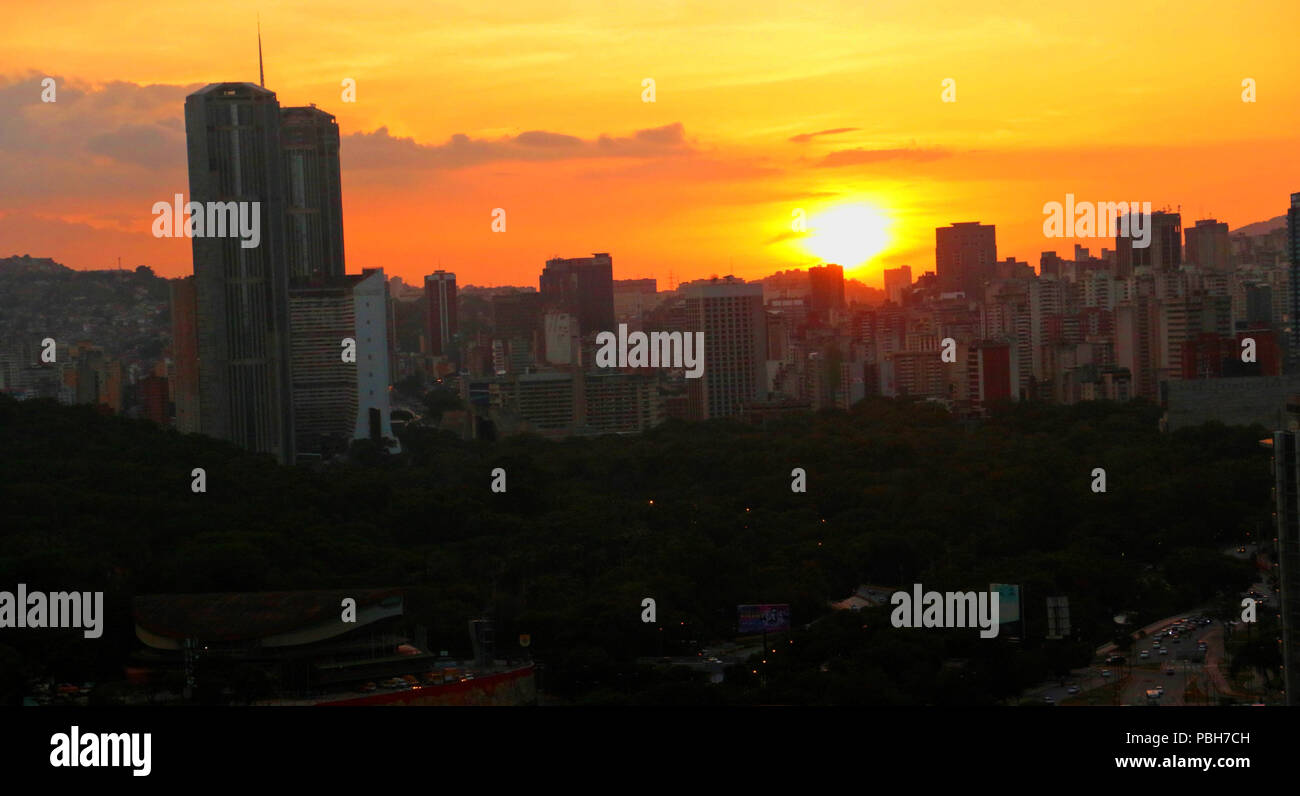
[(1261, 227), (29, 264)]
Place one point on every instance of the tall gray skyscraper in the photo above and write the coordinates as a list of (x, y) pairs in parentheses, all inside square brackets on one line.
[(309, 144), (233, 140)]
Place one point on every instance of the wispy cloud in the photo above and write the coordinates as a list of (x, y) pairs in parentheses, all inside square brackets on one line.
[(803, 138), (854, 157), (380, 149)]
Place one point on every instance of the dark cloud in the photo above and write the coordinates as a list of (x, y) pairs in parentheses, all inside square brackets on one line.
[(804, 138)]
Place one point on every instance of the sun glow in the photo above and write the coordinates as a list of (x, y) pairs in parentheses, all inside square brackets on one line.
[(848, 235)]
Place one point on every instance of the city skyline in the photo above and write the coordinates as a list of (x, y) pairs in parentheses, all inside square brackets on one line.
[(702, 181)]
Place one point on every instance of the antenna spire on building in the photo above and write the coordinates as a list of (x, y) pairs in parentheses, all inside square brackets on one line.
[(261, 74)]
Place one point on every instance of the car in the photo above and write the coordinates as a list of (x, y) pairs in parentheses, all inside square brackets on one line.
[(1144, 654), (1156, 643), (1177, 640), (1074, 689), (1105, 672), (1164, 650), (1049, 699), (1170, 671), (1241, 549), (1160, 689)]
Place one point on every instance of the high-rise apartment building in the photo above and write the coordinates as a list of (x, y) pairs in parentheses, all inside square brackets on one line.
[(826, 284), (583, 286), (730, 313), (440, 313), (964, 256), (898, 281), (1165, 249), (336, 399), (1207, 245)]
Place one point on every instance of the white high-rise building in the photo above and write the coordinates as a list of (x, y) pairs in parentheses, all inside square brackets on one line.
[(730, 313)]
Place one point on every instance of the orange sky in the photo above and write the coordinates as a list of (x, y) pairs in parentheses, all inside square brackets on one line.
[(1110, 101)]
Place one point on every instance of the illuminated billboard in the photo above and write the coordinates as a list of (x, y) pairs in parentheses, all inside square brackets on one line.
[(765, 618), (1008, 602)]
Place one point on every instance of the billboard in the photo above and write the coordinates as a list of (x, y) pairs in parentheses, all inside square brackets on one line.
[(765, 618), (1008, 602), (1058, 617)]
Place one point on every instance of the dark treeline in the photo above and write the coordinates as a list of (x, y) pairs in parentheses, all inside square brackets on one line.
[(701, 517)]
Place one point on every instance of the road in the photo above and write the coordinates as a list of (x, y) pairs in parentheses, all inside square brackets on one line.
[(1139, 674)]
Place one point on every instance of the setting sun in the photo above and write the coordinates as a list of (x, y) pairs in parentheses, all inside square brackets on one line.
[(848, 235)]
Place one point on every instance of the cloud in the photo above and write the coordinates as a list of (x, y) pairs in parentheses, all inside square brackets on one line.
[(804, 138), (382, 150), (781, 237), (854, 157), (118, 120)]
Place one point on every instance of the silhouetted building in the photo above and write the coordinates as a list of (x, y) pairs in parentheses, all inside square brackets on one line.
[(1207, 245), (185, 351), (1293, 253), (964, 256), (151, 393), (233, 141), (309, 143), (1165, 252), (583, 286), (1286, 505), (898, 282), (826, 283), (440, 317)]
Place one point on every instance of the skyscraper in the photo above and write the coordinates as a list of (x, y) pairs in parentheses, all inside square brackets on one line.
[(1165, 252), (827, 288), (730, 313), (1207, 245), (337, 400), (1293, 253), (583, 286), (898, 281), (233, 144), (440, 312), (309, 145), (964, 256)]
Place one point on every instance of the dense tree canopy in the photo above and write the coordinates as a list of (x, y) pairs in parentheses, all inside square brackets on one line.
[(700, 517)]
